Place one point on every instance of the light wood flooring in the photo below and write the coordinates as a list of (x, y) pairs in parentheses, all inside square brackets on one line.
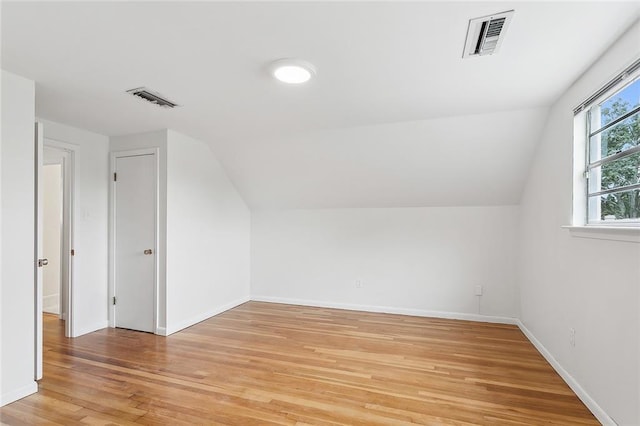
[(262, 364)]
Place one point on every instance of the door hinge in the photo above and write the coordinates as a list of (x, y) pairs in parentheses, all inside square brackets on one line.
[(115, 177), (73, 252), (114, 300)]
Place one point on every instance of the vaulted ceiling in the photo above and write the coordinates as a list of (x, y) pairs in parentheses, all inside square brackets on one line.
[(395, 116)]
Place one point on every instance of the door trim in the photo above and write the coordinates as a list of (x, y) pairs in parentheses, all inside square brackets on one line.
[(112, 231), (68, 228), (67, 236)]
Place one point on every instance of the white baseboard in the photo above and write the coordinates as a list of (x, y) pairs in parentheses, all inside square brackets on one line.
[(205, 315), (388, 310), (90, 328), (51, 304), (14, 395), (591, 404)]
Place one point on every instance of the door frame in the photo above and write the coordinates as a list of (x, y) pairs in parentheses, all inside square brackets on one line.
[(65, 248), (68, 221), (67, 235), (114, 155)]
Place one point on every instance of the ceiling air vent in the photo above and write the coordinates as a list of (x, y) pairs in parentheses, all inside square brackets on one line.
[(485, 35), (153, 97)]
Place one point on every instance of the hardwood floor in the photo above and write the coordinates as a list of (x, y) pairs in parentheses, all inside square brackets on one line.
[(264, 363)]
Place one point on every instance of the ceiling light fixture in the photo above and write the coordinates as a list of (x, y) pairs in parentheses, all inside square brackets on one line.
[(292, 71)]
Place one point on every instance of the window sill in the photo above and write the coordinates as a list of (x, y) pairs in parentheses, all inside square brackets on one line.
[(629, 234)]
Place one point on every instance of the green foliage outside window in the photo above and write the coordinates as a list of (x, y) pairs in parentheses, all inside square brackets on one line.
[(626, 170)]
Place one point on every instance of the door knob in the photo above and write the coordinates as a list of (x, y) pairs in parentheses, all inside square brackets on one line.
[(42, 262), (148, 251)]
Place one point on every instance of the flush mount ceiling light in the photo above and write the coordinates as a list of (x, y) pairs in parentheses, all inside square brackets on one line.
[(292, 71)]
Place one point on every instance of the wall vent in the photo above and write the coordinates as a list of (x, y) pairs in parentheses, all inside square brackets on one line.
[(485, 34), (153, 97)]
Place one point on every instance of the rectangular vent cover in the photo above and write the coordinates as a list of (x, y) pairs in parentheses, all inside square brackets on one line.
[(153, 97), (485, 34)]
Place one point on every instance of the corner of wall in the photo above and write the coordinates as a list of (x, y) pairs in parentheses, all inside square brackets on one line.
[(206, 219), (557, 290)]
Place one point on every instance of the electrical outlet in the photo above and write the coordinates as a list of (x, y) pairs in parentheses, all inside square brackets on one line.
[(478, 290), (572, 337), (358, 283)]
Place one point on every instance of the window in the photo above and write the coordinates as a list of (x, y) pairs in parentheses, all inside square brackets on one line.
[(613, 153)]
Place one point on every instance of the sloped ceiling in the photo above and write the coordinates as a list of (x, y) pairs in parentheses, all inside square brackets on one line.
[(395, 117)]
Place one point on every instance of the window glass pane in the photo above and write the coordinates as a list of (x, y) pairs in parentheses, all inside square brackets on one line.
[(621, 205), (620, 103), (622, 136), (621, 172)]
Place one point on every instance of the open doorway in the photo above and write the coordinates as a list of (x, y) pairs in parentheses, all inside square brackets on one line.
[(55, 275), (52, 239), (54, 232)]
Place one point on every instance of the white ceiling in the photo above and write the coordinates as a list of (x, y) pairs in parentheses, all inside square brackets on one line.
[(395, 117)]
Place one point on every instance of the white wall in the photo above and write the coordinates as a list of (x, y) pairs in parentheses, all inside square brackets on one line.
[(204, 226), (17, 313), (409, 260), (51, 236), (90, 235), (156, 139), (468, 160), (208, 239), (587, 284)]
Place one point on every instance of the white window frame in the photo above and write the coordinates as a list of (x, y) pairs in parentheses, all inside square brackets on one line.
[(587, 203)]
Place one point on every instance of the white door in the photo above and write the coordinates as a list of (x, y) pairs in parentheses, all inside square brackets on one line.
[(135, 241), (40, 262)]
